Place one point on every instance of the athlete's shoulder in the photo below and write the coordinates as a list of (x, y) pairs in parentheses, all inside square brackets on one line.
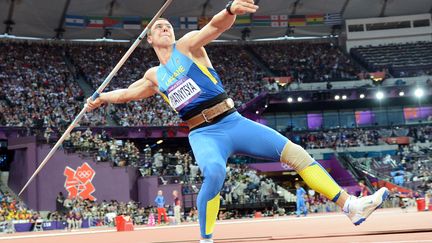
[(151, 74), (183, 43)]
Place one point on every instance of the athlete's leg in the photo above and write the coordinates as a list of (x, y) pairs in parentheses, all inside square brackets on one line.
[(312, 173), (260, 141), (211, 150)]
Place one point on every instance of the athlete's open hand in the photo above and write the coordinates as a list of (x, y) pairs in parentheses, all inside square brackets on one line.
[(240, 7)]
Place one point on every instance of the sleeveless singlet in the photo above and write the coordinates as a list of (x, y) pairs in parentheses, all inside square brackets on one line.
[(187, 85)]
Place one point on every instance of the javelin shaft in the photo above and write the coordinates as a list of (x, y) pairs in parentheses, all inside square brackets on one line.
[(54, 149), (129, 52), (97, 93)]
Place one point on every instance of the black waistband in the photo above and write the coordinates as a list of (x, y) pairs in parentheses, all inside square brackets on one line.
[(208, 103)]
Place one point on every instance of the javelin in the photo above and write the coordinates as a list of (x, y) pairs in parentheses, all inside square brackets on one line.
[(97, 92)]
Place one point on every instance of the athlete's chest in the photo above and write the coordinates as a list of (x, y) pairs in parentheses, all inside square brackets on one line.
[(174, 80), (174, 70)]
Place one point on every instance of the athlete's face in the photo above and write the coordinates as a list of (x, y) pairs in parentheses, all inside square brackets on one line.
[(162, 34)]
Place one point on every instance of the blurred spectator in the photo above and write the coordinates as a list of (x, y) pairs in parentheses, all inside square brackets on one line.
[(307, 62)]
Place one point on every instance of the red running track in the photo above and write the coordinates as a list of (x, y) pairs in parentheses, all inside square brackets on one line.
[(385, 225)]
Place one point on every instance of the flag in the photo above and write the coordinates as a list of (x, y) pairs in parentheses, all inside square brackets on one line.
[(315, 19), (297, 20), (333, 19), (113, 22), (132, 23), (261, 20), (242, 21), (279, 20), (95, 22), (190, 23), (145, 21), (202, 21), (175, 22), (74, 21)]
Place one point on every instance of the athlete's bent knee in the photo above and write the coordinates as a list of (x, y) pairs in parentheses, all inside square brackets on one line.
[(296, 156), (215, 173)]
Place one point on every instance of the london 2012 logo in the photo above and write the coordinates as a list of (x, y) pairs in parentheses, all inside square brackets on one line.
[(78, 182)]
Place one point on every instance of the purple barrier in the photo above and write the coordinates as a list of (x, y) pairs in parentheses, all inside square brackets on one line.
[(48, 225), (115, 132), (270, 167), (118, 183), (23, 227)]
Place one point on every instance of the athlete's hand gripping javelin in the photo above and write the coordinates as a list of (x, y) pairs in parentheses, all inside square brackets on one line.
[(93, 104)]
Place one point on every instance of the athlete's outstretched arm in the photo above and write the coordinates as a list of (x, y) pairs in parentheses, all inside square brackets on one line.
[(138, 90), (219, 23)]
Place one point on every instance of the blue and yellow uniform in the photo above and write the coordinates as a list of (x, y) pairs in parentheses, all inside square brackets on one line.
[(190, 87), (187, 85)]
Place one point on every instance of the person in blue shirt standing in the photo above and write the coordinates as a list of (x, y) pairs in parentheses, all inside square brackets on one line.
[(300, 203), (160, 203)]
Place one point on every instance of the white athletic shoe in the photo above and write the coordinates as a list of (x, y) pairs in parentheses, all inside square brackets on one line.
[(206, 241), (358, 209)]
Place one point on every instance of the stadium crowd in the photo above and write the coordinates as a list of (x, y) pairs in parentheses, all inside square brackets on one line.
[(102, 148), (308, 62), (38, 84), (401, 59), (37, 89)]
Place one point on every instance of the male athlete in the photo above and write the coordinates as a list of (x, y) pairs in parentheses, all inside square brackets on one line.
[(186, 79)]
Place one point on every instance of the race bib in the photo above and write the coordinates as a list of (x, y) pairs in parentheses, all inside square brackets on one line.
[(183, 92)]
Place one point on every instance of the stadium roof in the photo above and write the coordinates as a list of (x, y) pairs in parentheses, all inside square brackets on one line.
[(40, 18)]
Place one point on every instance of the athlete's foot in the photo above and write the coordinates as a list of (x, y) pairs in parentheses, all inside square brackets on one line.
[(358, 209), (206, 241)]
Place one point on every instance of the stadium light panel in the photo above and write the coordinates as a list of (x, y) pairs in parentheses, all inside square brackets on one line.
[(379, 95), (419, 92)]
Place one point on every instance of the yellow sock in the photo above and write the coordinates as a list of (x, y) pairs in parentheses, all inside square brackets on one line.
[(317, 178), (211, 215)]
